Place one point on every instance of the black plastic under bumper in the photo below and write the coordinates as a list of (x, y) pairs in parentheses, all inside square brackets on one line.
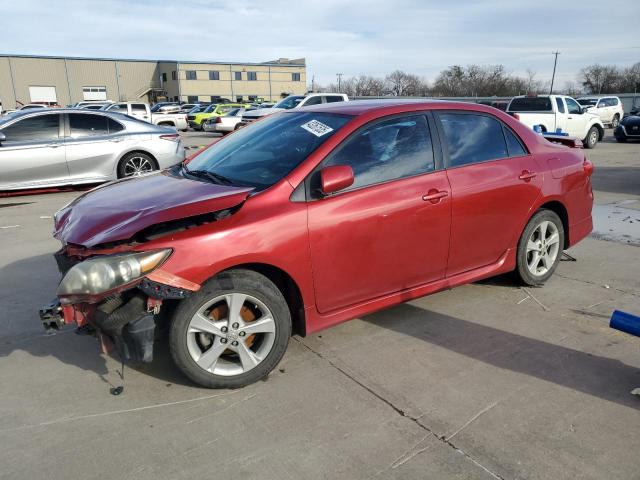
[(129, 325), (51, 315)]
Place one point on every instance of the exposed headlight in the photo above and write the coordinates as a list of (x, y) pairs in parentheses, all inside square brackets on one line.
[(101, 274)]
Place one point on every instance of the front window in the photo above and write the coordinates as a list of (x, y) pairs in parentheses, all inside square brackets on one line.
[(289, 102), (263, 153), (573, 106)]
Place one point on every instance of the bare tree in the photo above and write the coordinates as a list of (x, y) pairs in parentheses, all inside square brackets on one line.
[(598, 78), (403, 84)]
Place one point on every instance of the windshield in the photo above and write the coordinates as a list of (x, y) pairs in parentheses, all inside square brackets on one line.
[(210, 108), (261, 154), (530, 104), (289, 102), (588, 102)]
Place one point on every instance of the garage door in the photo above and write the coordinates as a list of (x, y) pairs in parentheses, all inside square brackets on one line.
[(43, 94)]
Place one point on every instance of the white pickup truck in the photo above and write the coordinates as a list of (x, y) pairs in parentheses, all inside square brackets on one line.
[(142, 111), (293, 101), (555, 113)]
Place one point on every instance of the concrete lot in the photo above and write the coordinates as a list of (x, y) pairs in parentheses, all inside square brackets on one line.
[(485, 381)]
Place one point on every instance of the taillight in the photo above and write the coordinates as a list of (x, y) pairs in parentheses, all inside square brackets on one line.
[(516, 116), (588, 167), (172, 137), (218, 120)]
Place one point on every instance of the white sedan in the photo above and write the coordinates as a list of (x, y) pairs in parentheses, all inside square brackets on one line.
[(224, 124)]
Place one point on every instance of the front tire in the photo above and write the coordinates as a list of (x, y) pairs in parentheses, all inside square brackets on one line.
[(540, 248), (592, 137), (232, 332)]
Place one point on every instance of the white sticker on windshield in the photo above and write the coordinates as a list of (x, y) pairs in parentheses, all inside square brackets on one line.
[(317, 128)]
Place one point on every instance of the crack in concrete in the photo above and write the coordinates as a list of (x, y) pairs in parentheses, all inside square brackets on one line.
[(441, 438), (620, 290)]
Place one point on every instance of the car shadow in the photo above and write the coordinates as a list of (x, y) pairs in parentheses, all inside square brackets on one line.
[(598, 376), (25, 286)]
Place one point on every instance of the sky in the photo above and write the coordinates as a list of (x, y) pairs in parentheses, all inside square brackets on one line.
[(350, 37)]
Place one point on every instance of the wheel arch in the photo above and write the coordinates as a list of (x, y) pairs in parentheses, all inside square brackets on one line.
[(289, 288), (559, 209)]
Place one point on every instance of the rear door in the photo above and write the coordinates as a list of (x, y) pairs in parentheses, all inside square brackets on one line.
[(382, 234), (494, 184), (33, 153), (140, 111), (93, 143)]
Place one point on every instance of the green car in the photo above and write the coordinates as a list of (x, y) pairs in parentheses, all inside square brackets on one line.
[(213, 110)]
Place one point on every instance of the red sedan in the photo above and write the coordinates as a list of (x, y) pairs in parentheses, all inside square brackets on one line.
[(312, 217)]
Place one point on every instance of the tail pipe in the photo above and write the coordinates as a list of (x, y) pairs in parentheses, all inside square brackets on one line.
[(625, 322)]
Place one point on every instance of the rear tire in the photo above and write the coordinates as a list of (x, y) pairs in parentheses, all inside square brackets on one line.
[(540, 248), (208, 341), (135, 164), (616, 121), (592, 137)]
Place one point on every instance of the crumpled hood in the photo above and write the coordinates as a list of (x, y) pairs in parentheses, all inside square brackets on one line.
[(118, 210)]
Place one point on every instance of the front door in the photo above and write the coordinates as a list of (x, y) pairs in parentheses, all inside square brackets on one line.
[(494, 183), (384, 233), (576, 120), (33, 153)]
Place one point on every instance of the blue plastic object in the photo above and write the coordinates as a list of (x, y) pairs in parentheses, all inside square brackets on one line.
[(537, 128), (625, 322)]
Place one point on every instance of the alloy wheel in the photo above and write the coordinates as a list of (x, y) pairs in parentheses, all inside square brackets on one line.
[(231, 334), (543, 247), (593, 137), (137, 166)]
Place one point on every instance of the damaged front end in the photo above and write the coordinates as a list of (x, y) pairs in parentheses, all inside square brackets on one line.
[(117, 295)]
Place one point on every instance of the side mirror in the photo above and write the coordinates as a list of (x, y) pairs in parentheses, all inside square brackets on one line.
[(601, 105), (335, 178), (584, 109), (3, 138)]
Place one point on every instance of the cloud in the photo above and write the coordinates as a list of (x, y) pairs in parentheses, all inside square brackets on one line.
[(371, 37)]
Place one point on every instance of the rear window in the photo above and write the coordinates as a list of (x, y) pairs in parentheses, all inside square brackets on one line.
[(588, 102), (530, 104)]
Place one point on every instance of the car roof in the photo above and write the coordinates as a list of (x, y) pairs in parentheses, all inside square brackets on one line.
[(360, 107)]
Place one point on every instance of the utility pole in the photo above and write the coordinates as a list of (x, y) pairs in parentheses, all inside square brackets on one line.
[(339, 75), (553, 76)]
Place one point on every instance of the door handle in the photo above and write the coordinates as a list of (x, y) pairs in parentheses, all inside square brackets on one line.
[(434, 195), (54, 145), (118, 139), (526, 175)]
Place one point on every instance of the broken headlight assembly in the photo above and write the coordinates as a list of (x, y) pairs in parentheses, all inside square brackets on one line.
[(108, 272)]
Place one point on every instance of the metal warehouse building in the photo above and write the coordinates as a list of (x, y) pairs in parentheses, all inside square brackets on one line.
[(65, 80)]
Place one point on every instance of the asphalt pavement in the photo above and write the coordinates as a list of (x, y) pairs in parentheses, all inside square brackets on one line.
[(487, 381)]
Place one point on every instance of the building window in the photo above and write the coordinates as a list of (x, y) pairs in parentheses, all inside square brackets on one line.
[(164, 77), (214, 75), (238, 76), (295, 77), (253, 98), (174, 75), (252, 76), (192, 99), (94, 93), (238, 98), (191, 75)]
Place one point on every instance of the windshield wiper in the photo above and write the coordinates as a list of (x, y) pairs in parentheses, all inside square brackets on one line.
[(214, 177)]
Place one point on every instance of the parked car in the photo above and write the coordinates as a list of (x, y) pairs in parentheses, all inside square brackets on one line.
[(213, 110), (628, 128), (291, 102), (160, 105), (312, 217), (142, 111), (499, 104), (52, 148), (225, 123), (187, 107), (95, 106), (608, 108), (558, 112)]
